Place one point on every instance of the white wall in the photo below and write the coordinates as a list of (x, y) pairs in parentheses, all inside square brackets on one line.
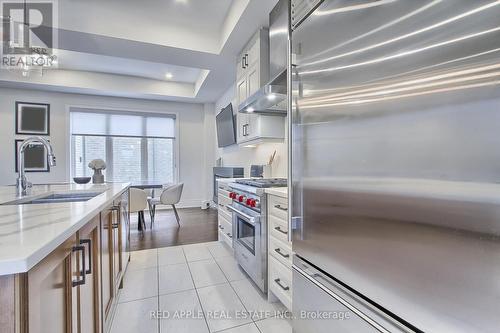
[(244, 157), (193, 162)]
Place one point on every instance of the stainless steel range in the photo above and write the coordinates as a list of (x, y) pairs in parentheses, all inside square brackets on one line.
[(250, 225)]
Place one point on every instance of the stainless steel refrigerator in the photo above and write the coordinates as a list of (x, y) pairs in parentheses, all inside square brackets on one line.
[(396, 165)]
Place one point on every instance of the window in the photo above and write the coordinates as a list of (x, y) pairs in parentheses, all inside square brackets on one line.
[(135, 146)]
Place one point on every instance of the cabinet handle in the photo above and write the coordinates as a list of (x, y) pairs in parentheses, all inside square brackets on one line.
[(282, 231), (285, 209), (115, 225), (89, 243), (229, 235), (278, 282), (243, 62), (116, 207), (80, 282), (221, 227), (278, 251), (246, 60)]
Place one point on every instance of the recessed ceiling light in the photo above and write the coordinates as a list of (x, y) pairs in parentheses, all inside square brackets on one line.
[(250, 109), (271, 97), (169, 76), (181, 1)]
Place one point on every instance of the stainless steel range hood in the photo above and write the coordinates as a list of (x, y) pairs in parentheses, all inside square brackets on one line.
[(271, 99)]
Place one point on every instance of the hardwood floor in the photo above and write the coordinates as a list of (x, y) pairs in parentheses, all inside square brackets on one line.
[(197, 226)]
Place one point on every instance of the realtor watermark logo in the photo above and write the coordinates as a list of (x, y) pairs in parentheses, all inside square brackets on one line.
[(29, 34)]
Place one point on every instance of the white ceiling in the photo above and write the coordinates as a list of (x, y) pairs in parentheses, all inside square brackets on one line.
[(117, 41), (70, 60), (189, 24)]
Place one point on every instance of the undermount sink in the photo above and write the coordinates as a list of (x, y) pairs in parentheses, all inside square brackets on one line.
[(55, 198)]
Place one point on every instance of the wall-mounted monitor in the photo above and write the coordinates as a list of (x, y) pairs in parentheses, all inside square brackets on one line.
[(226, 129)]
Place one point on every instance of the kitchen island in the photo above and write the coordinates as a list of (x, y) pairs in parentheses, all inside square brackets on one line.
[(63, 252)]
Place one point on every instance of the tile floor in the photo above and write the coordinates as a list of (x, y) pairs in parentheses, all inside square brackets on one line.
[(193, 288)]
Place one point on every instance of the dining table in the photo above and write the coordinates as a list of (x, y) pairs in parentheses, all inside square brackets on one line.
[(147, 185)]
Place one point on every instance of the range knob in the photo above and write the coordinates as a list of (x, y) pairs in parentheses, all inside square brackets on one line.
[(249, 202), (254, 203), (232, 195), (241, 198)]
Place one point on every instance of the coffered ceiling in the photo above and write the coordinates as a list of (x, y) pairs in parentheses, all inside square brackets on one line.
[(183, 50)]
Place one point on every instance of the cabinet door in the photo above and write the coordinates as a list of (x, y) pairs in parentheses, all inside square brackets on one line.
[(240, 65), (52, 300), (125, 227), (253, 127), (241, 95), (89, 317), (241, 91), (252, 52), (253, 79), (116, 235), (242, 121), (107, 283)]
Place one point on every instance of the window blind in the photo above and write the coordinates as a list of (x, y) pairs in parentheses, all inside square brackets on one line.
[(85, 121)]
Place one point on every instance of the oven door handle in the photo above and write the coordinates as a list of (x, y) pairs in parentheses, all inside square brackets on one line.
[(247, 217)]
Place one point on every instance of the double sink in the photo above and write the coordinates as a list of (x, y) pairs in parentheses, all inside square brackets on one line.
[(76, 196)]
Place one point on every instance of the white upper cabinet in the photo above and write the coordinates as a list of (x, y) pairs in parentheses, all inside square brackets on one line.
[(253, 73)]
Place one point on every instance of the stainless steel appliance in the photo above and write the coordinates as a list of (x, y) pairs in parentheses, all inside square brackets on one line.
[(395, 165), (249, 208), (225, 172), (271, 99)]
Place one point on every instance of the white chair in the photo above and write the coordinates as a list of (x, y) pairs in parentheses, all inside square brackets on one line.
[(138, 203), (171, 195)]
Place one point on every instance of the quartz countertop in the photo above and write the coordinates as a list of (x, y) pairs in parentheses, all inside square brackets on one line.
[(29, 232), (278, 191)]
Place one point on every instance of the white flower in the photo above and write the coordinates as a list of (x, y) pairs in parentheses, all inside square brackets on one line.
[(97, 164)]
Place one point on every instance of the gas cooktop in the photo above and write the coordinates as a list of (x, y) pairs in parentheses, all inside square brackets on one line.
[(264, 182)]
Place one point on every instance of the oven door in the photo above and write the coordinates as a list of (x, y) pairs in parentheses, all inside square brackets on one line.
[(246, 227), (245, 233), (247, 242)]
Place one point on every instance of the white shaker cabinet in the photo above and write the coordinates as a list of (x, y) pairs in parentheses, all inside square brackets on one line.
[(252, 74)]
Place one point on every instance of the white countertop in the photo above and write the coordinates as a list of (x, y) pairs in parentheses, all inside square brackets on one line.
[(28, 233), (278, 191)]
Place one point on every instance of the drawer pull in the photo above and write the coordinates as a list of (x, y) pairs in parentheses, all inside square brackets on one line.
[(81, 249), (229, 235), (221, 227), (89, 243), (285, 209), (282, 286), (278, 251), (282, 231)]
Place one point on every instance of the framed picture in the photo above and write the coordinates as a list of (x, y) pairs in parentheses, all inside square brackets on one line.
[(35, 157), (32, 118)]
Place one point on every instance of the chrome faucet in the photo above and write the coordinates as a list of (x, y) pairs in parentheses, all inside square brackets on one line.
[(22, 184)]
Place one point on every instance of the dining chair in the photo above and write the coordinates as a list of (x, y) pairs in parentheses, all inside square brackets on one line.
[(138, 203), (171, 195)]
